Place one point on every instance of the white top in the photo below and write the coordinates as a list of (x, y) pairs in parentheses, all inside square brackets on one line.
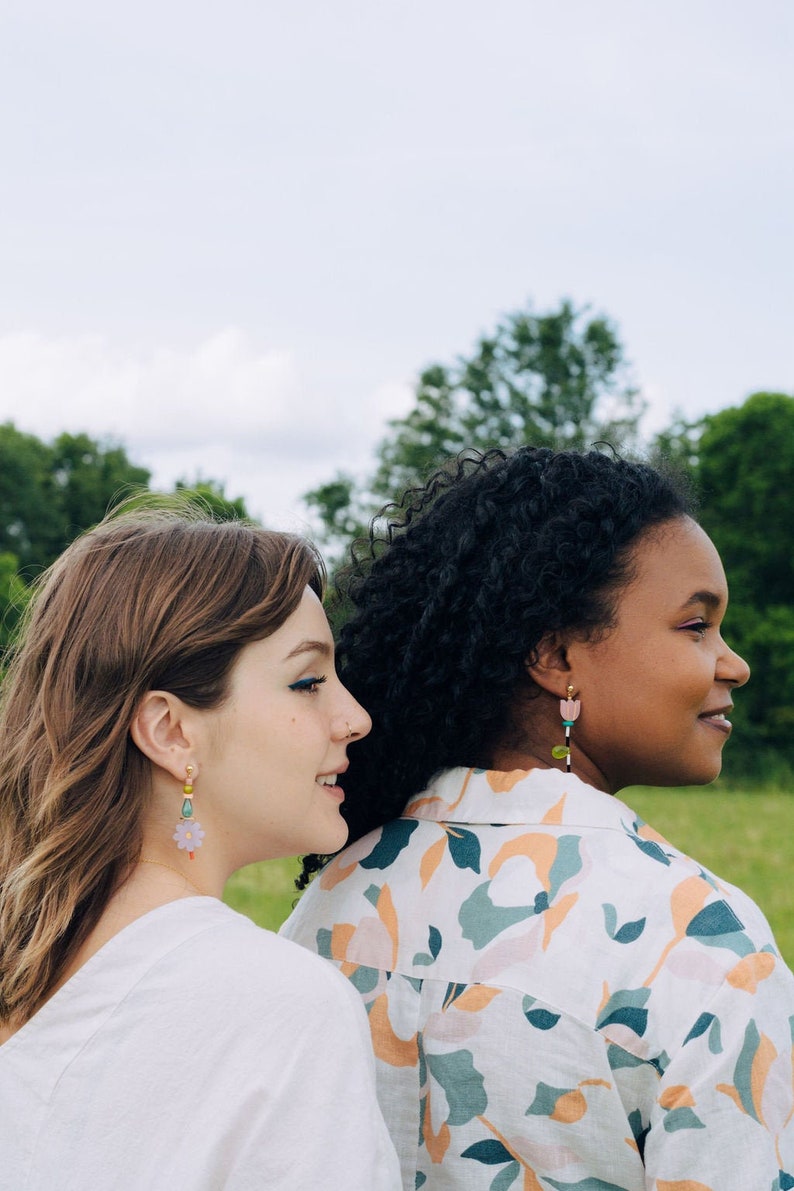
[(560, 1000), (194, 1052)]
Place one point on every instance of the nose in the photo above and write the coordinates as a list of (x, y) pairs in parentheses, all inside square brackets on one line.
[(353, 722), (733, 668)]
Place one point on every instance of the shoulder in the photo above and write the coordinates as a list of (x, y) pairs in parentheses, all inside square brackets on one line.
[(234, 957)]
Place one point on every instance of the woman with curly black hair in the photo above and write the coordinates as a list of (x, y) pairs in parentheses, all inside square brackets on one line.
[(558, 998)]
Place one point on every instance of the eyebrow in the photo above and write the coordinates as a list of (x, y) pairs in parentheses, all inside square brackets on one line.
[(322, 647), (709, 598)]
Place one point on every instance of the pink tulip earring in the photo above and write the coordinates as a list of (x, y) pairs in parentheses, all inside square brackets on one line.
[(569, 710), (188, 833)]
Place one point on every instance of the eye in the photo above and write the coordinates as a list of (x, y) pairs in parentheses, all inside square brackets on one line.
[(696, 626), (308, 686)]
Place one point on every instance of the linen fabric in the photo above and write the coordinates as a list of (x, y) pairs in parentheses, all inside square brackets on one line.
[(195, 1052), (559, 1000)]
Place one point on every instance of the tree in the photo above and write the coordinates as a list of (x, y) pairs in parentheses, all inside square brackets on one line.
[(49, 493), (90, 478), (212, 495), (31, 519), (556, 379), (13, 597)]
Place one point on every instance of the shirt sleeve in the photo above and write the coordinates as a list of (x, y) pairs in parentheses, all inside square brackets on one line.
[(724, 1114), (328, 1130)]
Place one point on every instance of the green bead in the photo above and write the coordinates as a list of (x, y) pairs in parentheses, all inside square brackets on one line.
[(559, 751), (568, 723), (187, 809)]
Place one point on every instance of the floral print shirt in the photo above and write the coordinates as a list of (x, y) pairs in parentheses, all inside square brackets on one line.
[(559, 1000)]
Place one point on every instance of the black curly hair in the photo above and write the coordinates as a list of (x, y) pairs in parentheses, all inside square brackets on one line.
[(496, 550)]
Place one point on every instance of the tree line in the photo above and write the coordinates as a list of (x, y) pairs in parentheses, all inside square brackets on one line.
[(557, 378)]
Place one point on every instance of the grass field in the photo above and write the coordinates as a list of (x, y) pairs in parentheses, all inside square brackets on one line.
[(745, 838)]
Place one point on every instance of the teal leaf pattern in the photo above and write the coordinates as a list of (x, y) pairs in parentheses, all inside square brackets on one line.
[(506, 1177), (715, 919), (545, 1101), (490, 1152), (464, 848), (648, 846), (742, 1074), (618, 1058), (567, 863), (394, 838), (364, 979), (639, 1131), (323, 942), (433, 948), (682, 1118), (626, 1008), (462, 1084), (707, 1022), (542, 1019), (481, 921), (626, 933)]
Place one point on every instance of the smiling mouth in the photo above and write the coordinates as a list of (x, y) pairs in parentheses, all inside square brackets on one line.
[(329, 783), (718, 721)]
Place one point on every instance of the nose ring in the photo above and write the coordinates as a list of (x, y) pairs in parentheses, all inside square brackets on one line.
[(349, 729)]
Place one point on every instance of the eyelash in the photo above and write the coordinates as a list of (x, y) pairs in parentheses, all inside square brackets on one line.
[(697, 626), (308, 686)]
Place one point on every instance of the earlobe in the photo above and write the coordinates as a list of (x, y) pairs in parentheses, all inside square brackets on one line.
[(550, 668), (160, 732)]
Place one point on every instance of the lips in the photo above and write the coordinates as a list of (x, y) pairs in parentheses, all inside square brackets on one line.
[(717, 720), (329, 783)]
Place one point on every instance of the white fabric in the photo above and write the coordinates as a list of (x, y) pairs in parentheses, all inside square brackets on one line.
[(194, 1052)]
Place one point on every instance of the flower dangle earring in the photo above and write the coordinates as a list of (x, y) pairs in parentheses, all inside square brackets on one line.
[(188, 833), (569, 710)]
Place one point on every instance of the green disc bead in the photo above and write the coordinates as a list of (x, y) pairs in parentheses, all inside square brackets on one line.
[(559, 751)]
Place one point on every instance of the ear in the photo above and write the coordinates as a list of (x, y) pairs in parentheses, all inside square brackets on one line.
[(550, 669), (163, 731)]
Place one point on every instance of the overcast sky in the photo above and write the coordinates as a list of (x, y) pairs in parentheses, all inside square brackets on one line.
[(232, 233)]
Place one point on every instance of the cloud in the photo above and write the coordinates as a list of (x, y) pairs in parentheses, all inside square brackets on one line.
[(224, 408)]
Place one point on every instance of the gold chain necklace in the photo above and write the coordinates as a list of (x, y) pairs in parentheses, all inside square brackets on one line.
[(171, 869)]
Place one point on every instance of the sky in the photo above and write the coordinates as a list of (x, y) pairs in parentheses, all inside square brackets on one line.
[(232, 234)]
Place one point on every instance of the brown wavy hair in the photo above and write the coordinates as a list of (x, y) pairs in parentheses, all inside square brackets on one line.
[(156, 597)]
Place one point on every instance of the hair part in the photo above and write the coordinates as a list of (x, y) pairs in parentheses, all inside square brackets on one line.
[(452, 599), (158, 596)]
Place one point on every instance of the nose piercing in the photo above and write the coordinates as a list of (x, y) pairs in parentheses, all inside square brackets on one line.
[(349, 729)]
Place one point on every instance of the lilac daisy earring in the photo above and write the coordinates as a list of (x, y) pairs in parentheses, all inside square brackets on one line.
[(188, 834)]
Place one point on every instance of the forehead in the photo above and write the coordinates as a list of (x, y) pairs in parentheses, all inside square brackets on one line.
[(673, 564)]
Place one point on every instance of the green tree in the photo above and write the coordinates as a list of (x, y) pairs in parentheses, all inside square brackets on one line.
[(91, 477), (51, 492), (555, 379), (31, 518), (13, 597), (212, 495)]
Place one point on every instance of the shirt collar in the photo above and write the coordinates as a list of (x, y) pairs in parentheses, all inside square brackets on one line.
[(541, 796)]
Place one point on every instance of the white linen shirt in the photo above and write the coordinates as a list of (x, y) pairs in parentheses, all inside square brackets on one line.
[(560, 1000), (194, 1052)]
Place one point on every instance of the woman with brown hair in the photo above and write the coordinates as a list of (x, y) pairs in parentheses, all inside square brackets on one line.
[(173, 713)]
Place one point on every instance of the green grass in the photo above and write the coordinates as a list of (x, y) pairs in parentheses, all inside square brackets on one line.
[(745, 838), (265, 892)]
